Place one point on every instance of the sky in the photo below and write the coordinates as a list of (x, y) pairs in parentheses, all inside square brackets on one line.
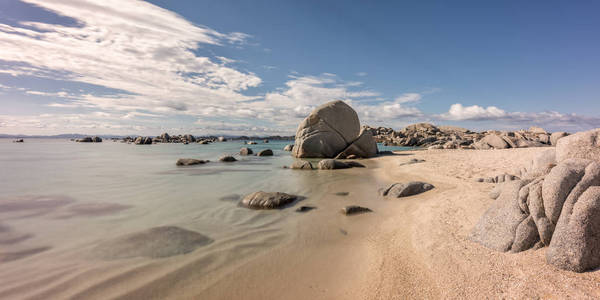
[(259, 67)]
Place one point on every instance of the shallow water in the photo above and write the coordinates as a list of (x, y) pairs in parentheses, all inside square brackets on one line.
[(61, 199)]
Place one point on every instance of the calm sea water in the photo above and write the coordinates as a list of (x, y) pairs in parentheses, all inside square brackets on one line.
[(98, 191)]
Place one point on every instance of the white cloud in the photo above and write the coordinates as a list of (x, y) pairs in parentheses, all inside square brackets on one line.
[(131, 46), (458, 112), (549, 119)]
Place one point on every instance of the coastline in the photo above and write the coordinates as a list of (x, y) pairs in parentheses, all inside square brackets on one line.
[(416, 247)]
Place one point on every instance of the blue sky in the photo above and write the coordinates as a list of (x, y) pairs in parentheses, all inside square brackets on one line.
[(243, 67)]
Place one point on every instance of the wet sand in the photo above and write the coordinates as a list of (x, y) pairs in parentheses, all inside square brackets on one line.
[(415, 247)]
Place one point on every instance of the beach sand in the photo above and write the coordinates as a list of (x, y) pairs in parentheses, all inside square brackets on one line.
[(414, 247)]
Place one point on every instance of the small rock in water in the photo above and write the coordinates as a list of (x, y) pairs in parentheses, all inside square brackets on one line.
[(289, 147), (265, 200), (355, 209), (227, 158), (246, 151), (342, 193), (266, 152), (305, 208), (190, 162)]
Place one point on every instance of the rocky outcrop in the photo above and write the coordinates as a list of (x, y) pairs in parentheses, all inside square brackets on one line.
[(265, 200), (190, 162), (140, 140), (580, 145), (557, 136), (398, 190), (89, 139), (448, 137), (331, 129), (556, 204)]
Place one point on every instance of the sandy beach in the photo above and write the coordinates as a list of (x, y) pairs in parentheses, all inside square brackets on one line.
[(414, 247)]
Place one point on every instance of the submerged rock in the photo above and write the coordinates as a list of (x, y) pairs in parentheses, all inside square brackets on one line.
[(267, 200), (407, 189), (190, 162), (157, 242), (354, 209), (227, 158)]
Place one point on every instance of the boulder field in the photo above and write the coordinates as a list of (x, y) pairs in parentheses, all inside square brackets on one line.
[(333, 130), (427, 135), (555, 203)]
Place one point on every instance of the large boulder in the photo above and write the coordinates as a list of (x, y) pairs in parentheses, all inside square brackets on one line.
[(266, 200), (560, 208), (541, 164), (580, 145), (329, 130), (498, 226), (364, 146), (575, 246), (557, 136), (492, 141)]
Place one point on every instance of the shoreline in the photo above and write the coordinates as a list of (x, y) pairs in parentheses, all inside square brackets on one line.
[(415, 247)]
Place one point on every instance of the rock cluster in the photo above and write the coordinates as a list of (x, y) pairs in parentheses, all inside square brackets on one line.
[(333, 130), (449, 137), (555, 203), (89, 139)]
